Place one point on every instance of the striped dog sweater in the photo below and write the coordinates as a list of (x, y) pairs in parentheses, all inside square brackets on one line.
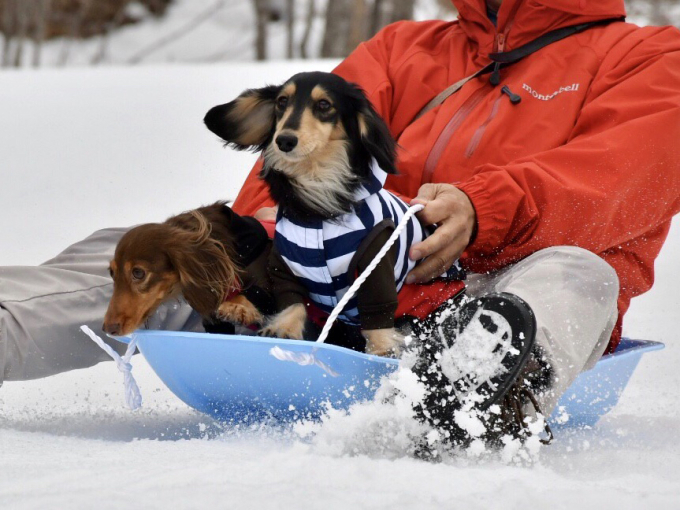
[(320, 253)]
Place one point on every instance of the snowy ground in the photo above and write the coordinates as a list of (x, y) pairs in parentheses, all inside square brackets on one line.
[(85, 149)]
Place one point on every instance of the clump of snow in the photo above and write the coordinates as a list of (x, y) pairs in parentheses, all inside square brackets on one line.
[(476, 355), (385, 427)]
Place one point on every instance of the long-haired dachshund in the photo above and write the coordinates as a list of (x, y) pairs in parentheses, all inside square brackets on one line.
[(214, 258), (326, 156)]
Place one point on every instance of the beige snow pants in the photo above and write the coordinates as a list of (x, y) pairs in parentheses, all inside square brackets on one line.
[(572, 292)]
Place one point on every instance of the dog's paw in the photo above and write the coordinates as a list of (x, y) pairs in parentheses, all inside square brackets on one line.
[(383, 342), (290, 323), (240, 311)]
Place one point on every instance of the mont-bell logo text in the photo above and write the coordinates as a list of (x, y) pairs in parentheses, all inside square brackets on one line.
[(547, 97)]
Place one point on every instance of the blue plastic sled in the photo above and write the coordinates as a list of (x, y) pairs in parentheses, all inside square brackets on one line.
[(246, 379)]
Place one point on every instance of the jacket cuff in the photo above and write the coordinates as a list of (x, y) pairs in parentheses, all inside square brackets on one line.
[(491, 226)]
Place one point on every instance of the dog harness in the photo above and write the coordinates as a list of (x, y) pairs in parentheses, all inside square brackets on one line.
[(321, 253)]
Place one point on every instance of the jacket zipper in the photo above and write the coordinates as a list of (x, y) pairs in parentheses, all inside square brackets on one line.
[(479, 133), (445, 136)]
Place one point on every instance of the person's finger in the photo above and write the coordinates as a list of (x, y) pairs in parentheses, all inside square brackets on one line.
[(437, 211), (439, 240), (426, 193), (266, 214), (436, 264)]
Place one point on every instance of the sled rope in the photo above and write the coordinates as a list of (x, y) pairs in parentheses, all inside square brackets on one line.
[(133, 397), (374, 263)]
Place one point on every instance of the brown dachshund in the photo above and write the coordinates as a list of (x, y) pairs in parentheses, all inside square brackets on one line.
[(213, 257)]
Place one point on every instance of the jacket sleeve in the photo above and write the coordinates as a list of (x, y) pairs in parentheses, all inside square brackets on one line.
[(366, 66), (616, 179)]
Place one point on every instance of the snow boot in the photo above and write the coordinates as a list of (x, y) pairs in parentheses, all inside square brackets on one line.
[(480, 368)]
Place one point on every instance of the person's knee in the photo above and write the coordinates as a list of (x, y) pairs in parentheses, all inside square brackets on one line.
[(586, 270), (563, 273)]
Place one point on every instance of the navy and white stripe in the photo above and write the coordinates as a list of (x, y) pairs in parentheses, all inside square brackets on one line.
[(319, 252)]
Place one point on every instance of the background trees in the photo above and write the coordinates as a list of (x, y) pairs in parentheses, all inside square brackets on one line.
[(61, 32)]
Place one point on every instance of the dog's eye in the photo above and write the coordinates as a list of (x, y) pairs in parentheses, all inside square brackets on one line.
[(282, 102), (111, 272), (138, 273), (323, 105)]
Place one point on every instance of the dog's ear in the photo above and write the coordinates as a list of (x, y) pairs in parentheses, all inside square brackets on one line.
[(206, 269), (377, 139), (248, 121)]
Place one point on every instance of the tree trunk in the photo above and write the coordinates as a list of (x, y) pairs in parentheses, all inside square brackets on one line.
[(358, 26), (42, 11), (23, 18), (311, 8), (8, 30), (376, 17), (402, 9), (290, 28), (75, 31), (338, 19), (261, 18)]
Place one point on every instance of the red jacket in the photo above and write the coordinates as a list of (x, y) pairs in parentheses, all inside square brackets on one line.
[(589, 157)]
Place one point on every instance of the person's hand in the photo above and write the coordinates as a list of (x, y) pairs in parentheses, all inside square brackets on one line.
[(450, 209), (266, 214)]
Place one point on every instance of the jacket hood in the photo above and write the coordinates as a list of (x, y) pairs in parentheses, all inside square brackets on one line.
[(522, 21)]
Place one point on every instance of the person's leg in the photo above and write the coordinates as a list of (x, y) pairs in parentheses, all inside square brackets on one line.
[(573, 294), (42, 308)]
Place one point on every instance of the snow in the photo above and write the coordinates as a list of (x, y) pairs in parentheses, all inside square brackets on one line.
[(475, 357), (84, 149)]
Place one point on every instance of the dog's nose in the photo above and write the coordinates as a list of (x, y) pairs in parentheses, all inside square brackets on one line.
[(286, 142), (112, 328)]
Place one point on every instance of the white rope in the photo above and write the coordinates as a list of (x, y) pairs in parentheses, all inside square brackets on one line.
[(301, 358), (133, 397), (374, 263)]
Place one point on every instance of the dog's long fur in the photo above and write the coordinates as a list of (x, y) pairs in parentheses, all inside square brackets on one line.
[(319, 135), (191, 254)]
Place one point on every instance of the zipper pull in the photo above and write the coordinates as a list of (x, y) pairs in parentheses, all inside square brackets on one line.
[(514, 98), (500, 43)]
